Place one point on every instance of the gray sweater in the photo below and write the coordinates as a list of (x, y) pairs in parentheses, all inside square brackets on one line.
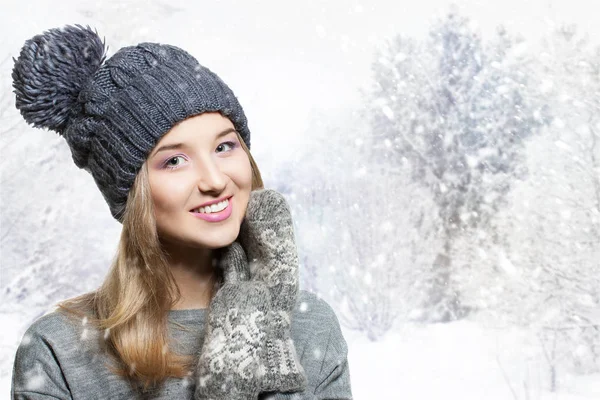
[(57, 360)]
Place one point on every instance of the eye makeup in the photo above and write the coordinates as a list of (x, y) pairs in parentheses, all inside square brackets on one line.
[(234, 144)]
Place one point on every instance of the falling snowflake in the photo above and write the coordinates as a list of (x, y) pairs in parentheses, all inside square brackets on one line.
[(387, 111), (35, 382), (317, 353), (26, 340)]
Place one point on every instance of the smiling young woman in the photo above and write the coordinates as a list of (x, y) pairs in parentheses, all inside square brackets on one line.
[(200, 159), (202, 298)]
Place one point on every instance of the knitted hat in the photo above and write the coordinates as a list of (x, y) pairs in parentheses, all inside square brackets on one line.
[(113, 113)]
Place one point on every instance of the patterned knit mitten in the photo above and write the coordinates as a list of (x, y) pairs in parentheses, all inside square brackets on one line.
[(248, 347)]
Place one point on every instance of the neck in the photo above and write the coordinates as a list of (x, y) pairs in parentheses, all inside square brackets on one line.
[(194, 274)]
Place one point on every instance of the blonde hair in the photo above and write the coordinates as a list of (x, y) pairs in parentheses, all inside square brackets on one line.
[(133, 301)]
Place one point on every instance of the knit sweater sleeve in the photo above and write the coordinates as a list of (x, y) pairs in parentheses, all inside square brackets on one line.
[(37, 374), (334, 377)]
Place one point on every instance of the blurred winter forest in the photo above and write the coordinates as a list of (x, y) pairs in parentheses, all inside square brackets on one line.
[(468, 186), (463, 186)]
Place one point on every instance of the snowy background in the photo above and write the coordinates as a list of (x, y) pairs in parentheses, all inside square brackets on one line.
[(442, 162)]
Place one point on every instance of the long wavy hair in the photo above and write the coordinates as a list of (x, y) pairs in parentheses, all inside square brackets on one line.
[(131, 306)]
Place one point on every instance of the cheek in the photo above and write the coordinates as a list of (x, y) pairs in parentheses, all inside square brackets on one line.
[(247, 173), (165, 195), (240, 172)]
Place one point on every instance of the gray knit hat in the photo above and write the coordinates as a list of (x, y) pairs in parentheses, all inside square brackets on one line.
[(113, 113)]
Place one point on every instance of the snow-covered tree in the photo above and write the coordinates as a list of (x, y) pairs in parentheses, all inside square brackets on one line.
[(557, 241), (540, 258), (457, 111)]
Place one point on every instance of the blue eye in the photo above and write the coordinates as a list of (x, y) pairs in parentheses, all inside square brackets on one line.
[(169, 165)]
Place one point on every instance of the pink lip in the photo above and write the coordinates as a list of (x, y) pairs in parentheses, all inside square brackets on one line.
[(216, 217)]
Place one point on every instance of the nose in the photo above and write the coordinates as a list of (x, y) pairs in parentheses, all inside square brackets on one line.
[(211, 178)]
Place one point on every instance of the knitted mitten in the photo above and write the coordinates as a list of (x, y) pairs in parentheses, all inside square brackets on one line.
[(248, 347)]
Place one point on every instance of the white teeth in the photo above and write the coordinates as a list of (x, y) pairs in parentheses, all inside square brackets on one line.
[(214, 207)]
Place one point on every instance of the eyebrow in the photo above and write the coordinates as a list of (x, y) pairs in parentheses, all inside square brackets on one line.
[(180, 145)]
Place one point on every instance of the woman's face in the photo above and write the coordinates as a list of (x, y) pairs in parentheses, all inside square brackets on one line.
[(198, 161)]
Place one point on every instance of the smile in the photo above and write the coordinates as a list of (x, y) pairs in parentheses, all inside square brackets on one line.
[(215, 212)]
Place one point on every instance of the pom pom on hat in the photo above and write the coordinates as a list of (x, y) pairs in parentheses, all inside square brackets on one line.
[(51, 70)]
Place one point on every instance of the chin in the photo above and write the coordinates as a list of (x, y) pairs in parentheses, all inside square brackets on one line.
[(209, 237), (218, 241)]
